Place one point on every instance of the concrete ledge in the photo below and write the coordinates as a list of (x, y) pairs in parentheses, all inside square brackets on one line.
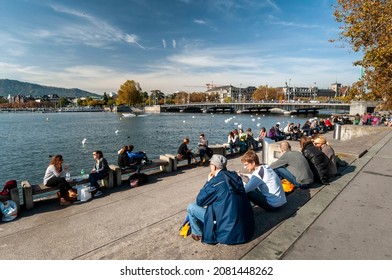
[(164, 164), (218, 149), (353, 131), (32, 193)]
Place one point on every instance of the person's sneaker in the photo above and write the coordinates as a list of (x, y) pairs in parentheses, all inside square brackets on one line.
[(92, 189), (98, 193)]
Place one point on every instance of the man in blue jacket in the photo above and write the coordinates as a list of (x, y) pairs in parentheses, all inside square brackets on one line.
[(222, 212)]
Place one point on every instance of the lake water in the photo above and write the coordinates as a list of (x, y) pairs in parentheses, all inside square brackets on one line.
[(28, 139)]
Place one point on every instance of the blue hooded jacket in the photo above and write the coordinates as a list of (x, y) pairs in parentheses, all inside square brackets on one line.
[(229, 216)]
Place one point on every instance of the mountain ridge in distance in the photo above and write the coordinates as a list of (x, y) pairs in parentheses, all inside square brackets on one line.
[(14, 87)]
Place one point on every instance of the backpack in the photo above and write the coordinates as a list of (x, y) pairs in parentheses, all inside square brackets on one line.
[(8, 186), (138, 179)]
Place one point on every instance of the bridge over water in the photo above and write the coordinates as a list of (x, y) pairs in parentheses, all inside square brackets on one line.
[(283, 108)]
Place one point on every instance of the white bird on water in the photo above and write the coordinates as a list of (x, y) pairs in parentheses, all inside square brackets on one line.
[(84, 141), (117, 131)]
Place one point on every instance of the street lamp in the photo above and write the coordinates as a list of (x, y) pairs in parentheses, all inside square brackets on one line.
[(266, 92), (239, 96), (314, 91), (288, 92)]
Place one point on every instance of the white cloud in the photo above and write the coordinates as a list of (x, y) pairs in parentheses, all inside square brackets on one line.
[(174, 43), (164, 43), (86, 29), (200, 21)]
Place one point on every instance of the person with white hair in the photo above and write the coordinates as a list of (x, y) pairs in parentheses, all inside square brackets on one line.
[(222, 212)]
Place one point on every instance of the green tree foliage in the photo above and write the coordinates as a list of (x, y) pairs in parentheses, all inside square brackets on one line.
[(63, 102), (129, 94), (105, 98), (367, 27)]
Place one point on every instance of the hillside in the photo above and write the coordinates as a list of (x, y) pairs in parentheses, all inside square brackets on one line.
[(14, 87)]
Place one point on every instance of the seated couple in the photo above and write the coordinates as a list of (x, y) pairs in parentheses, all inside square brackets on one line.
[(127, 159)]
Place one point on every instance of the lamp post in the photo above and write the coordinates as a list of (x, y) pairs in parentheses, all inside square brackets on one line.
[(239, 96), (266, 92), (314, 91), (288, 91)]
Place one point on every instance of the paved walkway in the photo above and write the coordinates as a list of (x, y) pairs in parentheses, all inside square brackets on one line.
[(348, 219)]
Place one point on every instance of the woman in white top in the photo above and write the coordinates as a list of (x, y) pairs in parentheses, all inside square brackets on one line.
[(54, 178)]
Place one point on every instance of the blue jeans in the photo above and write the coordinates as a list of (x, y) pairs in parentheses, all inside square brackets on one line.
[(282, 172), (94, 178), (202, 153), (260, 200), (196, 218)]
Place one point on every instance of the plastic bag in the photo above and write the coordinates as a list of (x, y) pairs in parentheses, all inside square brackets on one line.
[(9, 210)]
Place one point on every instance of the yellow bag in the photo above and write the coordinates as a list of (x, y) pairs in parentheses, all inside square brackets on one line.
[(287, 186), (185, 230)]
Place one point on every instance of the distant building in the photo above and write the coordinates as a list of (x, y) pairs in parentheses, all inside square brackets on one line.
[(336, 88), (293, 93), (235, 93)]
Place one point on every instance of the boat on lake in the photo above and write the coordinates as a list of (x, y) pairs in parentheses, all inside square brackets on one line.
[(129, 115)]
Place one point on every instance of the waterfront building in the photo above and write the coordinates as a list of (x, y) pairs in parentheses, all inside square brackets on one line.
[(236, 94)]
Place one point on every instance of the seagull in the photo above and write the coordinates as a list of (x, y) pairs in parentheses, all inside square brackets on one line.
[(84, 141), (116, 131)]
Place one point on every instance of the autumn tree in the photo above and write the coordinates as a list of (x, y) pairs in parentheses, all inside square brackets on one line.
[(367, 27), (129, 94), (264, 93)]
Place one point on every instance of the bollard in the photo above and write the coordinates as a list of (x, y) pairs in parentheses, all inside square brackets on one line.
[(266, 142), (337, 130)]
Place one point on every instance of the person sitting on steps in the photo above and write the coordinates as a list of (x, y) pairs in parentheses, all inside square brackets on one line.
[(222, 212)]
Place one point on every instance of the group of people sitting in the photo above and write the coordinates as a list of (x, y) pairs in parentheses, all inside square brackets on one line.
[(294, 131), (240, 141), (186, 153), (223, 212), (128, 159), (55, 176)]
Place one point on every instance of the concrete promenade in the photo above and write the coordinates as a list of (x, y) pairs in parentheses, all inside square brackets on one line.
[(348, 219)]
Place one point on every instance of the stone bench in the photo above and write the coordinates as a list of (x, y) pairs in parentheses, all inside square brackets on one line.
[(216, 149), (37, 192), (164, 163)]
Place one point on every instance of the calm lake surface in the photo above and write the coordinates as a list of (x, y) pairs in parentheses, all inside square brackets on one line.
[(28, 139)]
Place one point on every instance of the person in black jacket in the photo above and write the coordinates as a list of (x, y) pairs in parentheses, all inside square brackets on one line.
[(318, 161), (185, 153), (100, 171)]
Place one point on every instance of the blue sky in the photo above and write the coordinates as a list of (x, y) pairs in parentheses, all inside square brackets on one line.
[(172, 45)]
